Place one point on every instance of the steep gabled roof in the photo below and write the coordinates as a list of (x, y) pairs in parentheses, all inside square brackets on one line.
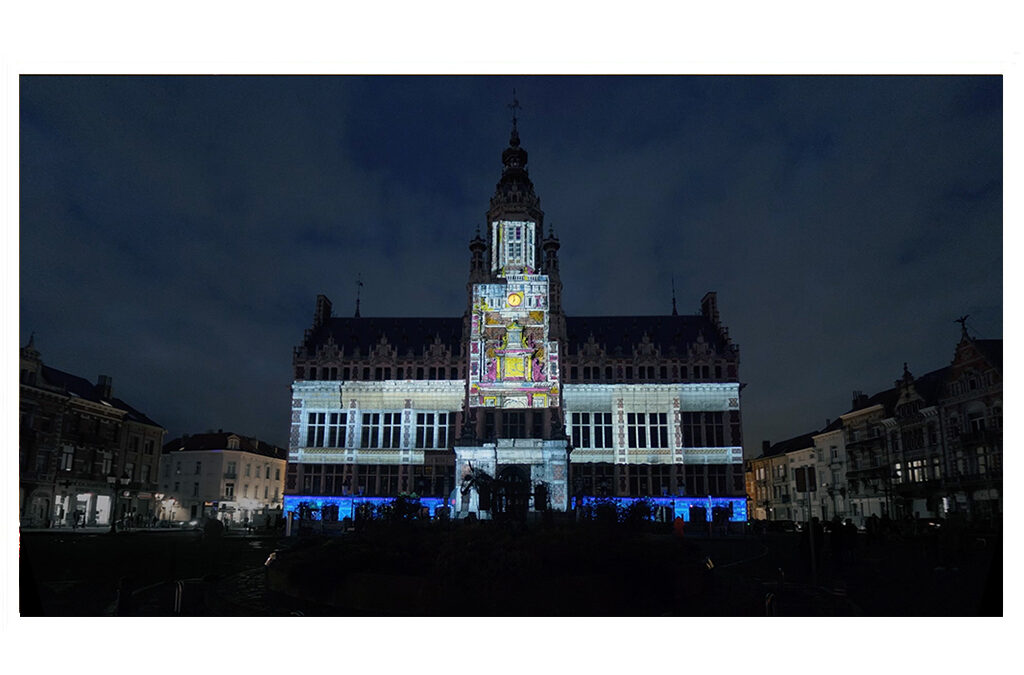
[(403, 333), (618, 335), (80, 387), (992, 350), (930, 385)]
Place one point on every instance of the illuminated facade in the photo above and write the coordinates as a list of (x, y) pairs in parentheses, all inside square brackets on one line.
[(566, 408), (235, 479)]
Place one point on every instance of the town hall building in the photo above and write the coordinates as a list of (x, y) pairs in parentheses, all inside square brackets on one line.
[(514, 404)]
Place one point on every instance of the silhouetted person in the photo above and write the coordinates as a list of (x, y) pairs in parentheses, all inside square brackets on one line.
[(850, 535), (818, 539), (837, 539)]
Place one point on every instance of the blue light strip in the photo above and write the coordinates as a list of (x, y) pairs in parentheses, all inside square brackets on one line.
[(681, 505), (347, 505)]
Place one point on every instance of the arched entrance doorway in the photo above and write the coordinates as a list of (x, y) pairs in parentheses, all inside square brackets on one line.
[(512, 492)]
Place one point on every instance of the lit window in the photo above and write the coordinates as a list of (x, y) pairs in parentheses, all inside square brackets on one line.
[(67, 459)]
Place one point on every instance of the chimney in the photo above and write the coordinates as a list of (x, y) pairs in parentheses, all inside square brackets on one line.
[(323, 311), (765, 446), (859, 399), (104, 386)]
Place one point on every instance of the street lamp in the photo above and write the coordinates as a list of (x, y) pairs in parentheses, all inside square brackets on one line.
[(113, 480)]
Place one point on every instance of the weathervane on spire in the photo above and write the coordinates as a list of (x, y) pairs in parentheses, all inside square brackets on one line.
[(514, 106), (963, 324)]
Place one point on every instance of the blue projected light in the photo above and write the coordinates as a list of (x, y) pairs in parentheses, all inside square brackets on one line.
[(347, 505), (681, 505)]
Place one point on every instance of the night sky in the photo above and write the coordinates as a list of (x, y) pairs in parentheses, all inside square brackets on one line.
[(175, 231)]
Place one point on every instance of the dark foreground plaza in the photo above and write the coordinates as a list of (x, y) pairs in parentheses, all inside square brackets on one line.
[(491, 569)]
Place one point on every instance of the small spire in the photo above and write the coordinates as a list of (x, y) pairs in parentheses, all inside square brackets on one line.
[(674, 311), (32, 340), (514, 106), (359, 286)]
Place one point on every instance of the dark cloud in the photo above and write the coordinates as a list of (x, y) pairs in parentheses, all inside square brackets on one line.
[(176, 230)]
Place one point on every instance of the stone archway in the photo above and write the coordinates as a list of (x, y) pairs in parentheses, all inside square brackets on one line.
[(512, 492)]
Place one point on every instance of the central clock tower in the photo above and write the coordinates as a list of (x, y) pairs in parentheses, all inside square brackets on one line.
[(513, 329)]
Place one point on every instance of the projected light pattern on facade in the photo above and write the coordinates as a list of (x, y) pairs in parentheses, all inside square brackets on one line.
[(347, 505), (681, 505), (511, 362)]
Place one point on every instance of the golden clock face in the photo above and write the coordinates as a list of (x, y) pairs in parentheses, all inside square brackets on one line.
[(515, 299)]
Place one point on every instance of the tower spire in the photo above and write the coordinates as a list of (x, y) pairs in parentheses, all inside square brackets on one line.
[(359, 287), (674, 311), (514, 106)]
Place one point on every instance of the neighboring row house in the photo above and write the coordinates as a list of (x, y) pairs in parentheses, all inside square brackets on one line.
[(929, 447), (85, 457), (557, 408), (224, 476)]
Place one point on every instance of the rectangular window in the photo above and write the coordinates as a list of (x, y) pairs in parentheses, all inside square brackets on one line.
[(918, 471), (232, 469), (245, 491), (265, 491), (149, 446), (277, 473), (316, 430), (647, 430), (714, 429), (431, 430), (248, 470), (267, 472), (381, 430), (199, 468), (335, 432), (195, 489), (513, 424), (692, 430), (145, 473), (229, 490), (67, 458)]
